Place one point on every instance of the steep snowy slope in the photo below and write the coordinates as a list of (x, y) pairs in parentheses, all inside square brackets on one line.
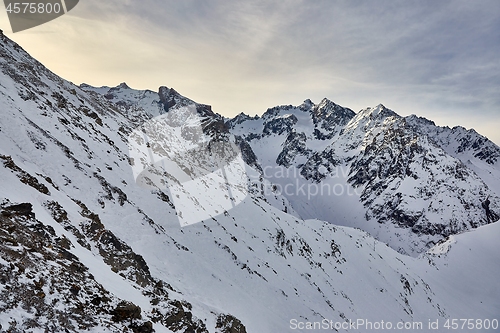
[(471, 256), (85, 247)]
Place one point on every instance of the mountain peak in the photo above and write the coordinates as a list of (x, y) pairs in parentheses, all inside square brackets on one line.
[(240, 118), (123, 85), (332, 113), (414, 120), (326, 101), (331, 105), (169, 97), (380, 111), (306, 105)]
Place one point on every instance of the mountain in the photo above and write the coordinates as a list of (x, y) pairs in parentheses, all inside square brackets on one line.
[(404, 180), (91, 236)]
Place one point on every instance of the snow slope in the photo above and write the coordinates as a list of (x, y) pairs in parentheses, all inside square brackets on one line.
[(89, 239)]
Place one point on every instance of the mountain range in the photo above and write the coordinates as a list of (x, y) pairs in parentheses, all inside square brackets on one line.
[(304, 217)]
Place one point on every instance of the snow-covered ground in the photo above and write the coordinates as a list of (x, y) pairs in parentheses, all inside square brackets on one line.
[(270, 262)]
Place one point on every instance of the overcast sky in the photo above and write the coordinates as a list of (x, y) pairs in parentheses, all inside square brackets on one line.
[(437, 59)]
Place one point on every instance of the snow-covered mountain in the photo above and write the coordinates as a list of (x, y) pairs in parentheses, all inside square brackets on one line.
[(85, 246), (405, 180)]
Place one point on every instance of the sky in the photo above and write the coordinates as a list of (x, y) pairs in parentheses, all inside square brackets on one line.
[(436, 59)]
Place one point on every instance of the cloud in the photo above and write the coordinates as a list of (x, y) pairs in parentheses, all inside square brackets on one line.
[(436, 59)]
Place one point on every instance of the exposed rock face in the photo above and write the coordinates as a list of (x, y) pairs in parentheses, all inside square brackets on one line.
[(25, 209), (329, 116), (212, 123), (490, 215), (247, 153), (42, 275), (126, 311), (229, 324), (294, 145), (170, 98), (280, 125)]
